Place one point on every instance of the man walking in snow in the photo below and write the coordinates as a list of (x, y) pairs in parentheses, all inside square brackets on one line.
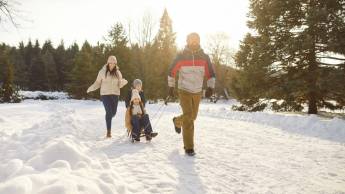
[(193, 65)]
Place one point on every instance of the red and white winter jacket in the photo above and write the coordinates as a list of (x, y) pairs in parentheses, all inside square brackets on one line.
[(192, 67)]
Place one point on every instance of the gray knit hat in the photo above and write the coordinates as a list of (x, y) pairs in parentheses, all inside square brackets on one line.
[(137, 82)]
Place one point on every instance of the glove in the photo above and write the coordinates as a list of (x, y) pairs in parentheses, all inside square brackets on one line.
[(209, 92), (171, 92)]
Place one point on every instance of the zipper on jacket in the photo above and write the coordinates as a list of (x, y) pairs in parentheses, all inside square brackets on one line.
[(193, 58)]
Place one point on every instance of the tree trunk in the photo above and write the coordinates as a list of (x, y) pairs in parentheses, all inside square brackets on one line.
[(312, 107), (312, 79)]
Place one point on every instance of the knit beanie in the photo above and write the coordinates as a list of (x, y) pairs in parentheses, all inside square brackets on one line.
[(137, 82), (112, 59)]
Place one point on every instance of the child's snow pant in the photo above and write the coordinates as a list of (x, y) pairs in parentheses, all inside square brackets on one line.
[(140, 122), (190, 107), (110, 105)]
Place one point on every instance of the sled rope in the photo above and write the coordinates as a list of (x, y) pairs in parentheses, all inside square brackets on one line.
[(159, 112)]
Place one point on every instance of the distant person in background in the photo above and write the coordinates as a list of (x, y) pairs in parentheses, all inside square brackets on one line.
[(193, 65), (110, 80)]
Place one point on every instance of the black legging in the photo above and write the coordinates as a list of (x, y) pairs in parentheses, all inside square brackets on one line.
[(110, 105)]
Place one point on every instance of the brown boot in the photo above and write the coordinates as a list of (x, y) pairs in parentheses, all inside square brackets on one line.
[(108, 133)]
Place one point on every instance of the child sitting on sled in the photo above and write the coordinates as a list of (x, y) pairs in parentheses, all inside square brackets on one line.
[(137, 120)]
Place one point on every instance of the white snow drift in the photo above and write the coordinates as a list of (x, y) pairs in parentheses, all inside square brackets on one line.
[(58, 147)]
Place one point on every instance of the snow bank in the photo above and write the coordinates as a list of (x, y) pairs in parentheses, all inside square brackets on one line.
[(43, 95), (310, 125), (51, 157), (62, 153)]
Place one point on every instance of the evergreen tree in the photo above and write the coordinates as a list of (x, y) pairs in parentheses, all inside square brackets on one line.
[(166, 37), (253, 81), (38, 73), (28, 54), (21, 70), (60, 58), (8, 91), (50, 66), (117, 36), (301, 39), (83, 73), (71, 54), (3, 48), (164, 51), (136, 63), (99, 58)]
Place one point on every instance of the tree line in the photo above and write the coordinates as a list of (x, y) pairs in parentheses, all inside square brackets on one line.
[(294, 56), (43, 67)]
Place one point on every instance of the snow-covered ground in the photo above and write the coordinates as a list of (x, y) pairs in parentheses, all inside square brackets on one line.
[(57, 147), (43, 94)]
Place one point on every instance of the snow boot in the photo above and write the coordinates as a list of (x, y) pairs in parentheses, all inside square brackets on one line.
[(177, 129), (150, 136), (108, 133), (154, 134), (134, 140), (190, 152)]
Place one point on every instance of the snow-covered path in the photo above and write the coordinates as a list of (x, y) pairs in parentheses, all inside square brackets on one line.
[(57, 147)]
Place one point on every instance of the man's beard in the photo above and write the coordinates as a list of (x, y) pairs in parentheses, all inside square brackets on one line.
[(194, 47)]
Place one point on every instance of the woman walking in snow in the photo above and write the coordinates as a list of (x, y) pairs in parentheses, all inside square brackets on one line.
[(110, 81)]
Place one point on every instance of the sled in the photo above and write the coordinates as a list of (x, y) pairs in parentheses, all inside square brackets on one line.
[(129, 127), (142, 133)]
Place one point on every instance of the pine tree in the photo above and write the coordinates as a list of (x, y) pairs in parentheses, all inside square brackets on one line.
[(166, 37), (50, 66), (83, 73), (117, 36), (28, 54), (71, 54), (254, 80), (21, 70), (8, 91), (302, 36), (38, 73), (60, 58), (163, 50), (3, 48)]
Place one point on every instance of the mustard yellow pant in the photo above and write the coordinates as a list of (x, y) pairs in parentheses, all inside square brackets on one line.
[(189, 103)]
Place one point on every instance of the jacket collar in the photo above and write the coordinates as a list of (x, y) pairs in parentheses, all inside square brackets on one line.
[(190, 51)]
